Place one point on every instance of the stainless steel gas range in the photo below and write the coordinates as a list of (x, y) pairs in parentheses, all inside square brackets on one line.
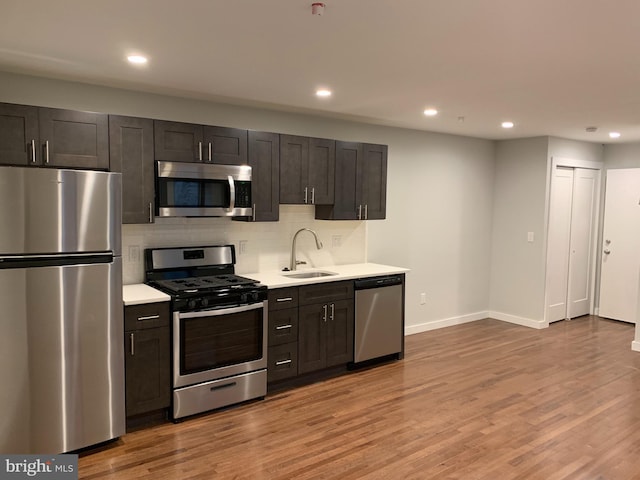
[(219, 327)]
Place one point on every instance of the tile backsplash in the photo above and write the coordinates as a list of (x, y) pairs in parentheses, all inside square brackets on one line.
[(260, 247)]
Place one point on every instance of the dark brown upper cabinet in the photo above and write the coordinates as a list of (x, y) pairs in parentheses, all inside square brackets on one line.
[(360, 183), (53, 137), (264, 160), (188, 142), (307, 170), (131, 153)]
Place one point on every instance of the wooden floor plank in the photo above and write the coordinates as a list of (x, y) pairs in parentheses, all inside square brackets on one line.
[(483, 400)]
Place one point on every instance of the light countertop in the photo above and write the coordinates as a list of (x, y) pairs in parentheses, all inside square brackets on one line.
[(140, 293), (277, 279)]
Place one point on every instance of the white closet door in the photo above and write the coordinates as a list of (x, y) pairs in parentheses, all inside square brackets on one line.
[(583, 210), (559, 237), (621, 246)]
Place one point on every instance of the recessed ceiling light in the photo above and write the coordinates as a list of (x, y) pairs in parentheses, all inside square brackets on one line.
[(323, 92), (614, 134), (507, 124), (430, 112), (137, 59)]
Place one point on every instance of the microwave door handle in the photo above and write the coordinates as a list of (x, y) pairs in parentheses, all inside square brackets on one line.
[(232, 193)]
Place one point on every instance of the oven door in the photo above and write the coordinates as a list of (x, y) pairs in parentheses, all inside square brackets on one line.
[(219, 343)]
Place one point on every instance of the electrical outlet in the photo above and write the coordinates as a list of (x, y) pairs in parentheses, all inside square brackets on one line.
[(336, 240), (530, 237), (242, 247), (423, 298)]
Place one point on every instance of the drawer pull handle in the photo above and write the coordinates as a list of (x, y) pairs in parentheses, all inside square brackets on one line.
[(226, 385), (282, 362), (284, 299), (132, 338), (283, 327), (149, 317)]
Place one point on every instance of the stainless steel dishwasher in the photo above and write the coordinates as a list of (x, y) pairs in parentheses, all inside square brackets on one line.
[(379, 317)]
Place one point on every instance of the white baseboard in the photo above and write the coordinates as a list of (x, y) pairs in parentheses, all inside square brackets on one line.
[(446, 322), (635, 346), (525, 322)]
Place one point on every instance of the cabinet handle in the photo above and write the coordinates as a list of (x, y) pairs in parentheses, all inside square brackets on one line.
[(359, 212), (132, 341), (210, 150), (333, 311), (324, 315), (282, 362), (150, 212), (149, 317), (200, 151), (306, 189), (366, 211), (46, 152), (313, 195), (283, 327), (253, 213), (284, 299), (33, 151)]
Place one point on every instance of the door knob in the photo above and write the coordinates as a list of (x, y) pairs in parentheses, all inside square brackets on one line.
[(607, 252)]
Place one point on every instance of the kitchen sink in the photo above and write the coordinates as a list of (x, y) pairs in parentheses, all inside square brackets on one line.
[(315, 274)]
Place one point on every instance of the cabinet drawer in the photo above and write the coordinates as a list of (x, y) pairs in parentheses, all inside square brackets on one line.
[(283, 326), (148, 315), (283, 362), (326, 292), (283, 298)]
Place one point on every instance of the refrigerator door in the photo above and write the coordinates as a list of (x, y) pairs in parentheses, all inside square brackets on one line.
[(61, 357), (46, 210)]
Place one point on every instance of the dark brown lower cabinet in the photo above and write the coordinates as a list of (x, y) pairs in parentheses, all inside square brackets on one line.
[(325, 336), (147, 358)]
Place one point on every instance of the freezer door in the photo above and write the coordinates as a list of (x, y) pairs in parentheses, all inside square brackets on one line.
[(46, 210), (61, 357)]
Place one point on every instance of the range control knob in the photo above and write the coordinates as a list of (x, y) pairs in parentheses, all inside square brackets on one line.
[(204, 302), (255, 296), (192, 303), (244, 298)]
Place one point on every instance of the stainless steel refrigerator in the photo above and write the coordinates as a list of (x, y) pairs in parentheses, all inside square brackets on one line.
[(61, 314)]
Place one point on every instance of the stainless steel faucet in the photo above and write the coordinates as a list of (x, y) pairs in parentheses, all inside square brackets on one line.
[(294, 262)]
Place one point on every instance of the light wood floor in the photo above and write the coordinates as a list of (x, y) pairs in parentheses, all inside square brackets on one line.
[(484, 400)]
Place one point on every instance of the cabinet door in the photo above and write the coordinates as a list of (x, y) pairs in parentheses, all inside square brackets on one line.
[(74, 139), (131, 153), (227, 146), (312, 352), (19, 139), (322, 170), (348, 188), (339, 332), (294, 169), (264, 159), (147, 370), (178, 142), (374, 181)]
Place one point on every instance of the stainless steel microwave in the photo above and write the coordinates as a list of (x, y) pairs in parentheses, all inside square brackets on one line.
[(202, 190)]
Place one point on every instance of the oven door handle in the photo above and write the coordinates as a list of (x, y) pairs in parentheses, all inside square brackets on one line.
[(221, 311)]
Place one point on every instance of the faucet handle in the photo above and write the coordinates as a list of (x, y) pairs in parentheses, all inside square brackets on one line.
[(300, 262)]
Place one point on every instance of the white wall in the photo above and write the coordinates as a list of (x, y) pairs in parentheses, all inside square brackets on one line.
[(439, 208), (518, 266)]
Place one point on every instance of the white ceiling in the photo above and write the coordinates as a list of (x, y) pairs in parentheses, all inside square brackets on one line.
[(553, 67)]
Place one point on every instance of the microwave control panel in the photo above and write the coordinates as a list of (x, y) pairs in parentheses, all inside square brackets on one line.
[(243, 194)]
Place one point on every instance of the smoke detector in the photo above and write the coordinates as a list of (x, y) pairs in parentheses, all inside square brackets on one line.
[(317, 8), (591, 129)]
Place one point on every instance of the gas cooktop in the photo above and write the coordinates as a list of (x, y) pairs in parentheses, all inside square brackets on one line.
[(203, 284)]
